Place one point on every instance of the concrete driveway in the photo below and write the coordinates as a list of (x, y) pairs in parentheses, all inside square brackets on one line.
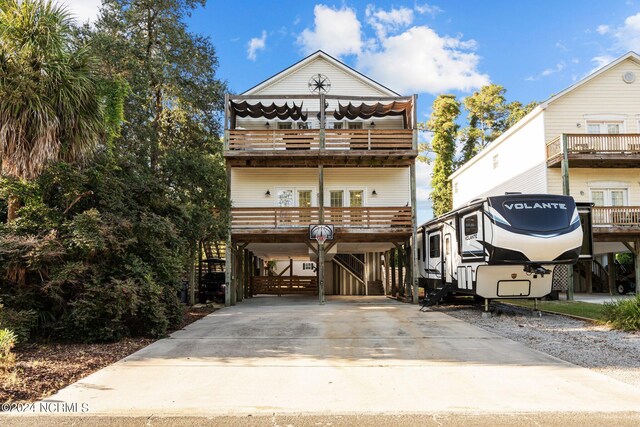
[(369, 355)]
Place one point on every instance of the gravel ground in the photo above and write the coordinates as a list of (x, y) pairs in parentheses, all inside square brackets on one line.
[(599, 348)]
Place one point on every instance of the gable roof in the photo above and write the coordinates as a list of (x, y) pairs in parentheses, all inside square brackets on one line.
[(540, 108), (323, 55), (629, 55)]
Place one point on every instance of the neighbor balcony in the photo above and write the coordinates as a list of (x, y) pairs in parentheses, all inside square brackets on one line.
[(615, 221), (596, 150)]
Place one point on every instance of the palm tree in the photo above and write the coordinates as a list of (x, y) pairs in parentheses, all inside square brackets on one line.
[(49, 104)]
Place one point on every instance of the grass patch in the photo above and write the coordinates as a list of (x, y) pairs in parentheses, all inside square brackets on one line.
[(572, 308), (624, 314)]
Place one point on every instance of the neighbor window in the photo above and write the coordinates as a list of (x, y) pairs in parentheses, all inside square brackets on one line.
[(285, 125), (604, 127), (303, 125), (308, 266), (337, 125), (355, 125)]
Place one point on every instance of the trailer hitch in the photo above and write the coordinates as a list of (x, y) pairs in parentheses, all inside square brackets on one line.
[(536, 269)]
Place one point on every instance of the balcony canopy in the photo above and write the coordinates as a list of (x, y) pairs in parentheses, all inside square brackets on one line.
[(270, 111), (366, 111)]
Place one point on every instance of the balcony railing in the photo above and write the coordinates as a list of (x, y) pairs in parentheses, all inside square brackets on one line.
[(284, 285), (616, 215), (595, 143), (284, 218), (309, 139)]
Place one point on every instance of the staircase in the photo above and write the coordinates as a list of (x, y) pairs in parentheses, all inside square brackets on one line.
[(599, 276), (351, 263)]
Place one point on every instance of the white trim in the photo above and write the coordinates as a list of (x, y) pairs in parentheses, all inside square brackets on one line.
[(608, 184), (606, 117)]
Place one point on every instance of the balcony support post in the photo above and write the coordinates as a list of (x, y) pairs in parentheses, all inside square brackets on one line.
[(611, 270), (566, 191), (322, 121), (414, 235), (321, 218)]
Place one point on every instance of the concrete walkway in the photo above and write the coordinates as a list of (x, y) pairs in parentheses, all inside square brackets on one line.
[(367, 355), (601, 298)]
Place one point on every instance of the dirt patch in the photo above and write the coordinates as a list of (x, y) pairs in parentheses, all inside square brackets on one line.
[(42, 369)]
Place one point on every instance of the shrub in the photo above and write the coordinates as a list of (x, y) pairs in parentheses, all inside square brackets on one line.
[(7, 341), (20, 322), (624, 314)]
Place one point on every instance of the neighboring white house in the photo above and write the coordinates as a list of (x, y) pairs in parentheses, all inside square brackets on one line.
[(599, 120), (292, 164)]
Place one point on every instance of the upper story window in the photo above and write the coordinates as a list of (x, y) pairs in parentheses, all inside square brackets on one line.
[(303, 125), (285, 125), (355, 125), (337, 125), (604, 127)]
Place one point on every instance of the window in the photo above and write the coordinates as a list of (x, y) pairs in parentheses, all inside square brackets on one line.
[(434, 246), (595, 127), (303, 125), (455, 187), (304, 198), (308, 266), (609, 196), (495, 161), (336, 198), (285, 125), (355, 125), (355, 198), (337, 125), (285, 198), (471, 225)]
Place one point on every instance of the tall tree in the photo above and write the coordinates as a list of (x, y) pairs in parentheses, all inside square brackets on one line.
[(442, 122), (49, 103), (487, 111)]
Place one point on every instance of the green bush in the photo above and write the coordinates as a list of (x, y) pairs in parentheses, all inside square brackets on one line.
[(21, 322), (624, 314), (7, 342)]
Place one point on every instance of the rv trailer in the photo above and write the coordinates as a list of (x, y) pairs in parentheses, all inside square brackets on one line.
[(502, 246)]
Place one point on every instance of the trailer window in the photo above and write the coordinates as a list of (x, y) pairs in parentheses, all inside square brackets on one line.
[(434, 246), (471, 225)]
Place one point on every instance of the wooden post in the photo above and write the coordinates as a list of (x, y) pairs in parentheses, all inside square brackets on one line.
[(321, 221), (290, 267), (611, 269), (386, 273), (394, 288), (247, 273), (589, 276), (366, 273), (413, 283), (322, 122), (401, 290), (566, 191)]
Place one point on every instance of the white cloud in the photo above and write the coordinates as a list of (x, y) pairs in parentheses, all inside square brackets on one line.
[(548, 71), (420, 60), (628, 35), (428, 9), (600, 62), (383, 21), (83, 10), (603, 29), (336, 31), (256, 44)]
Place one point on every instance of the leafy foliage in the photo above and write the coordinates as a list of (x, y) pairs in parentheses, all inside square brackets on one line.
[(99, 251), (442, 123), (624, 314)]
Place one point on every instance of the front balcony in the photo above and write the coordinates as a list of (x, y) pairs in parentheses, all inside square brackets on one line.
[(370, 223), (614, 222), (294, 131), (596, 150)]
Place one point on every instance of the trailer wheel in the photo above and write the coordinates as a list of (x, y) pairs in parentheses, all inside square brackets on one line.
[(622, 289)]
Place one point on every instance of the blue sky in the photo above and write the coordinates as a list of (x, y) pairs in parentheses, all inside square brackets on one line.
[(533, 49)]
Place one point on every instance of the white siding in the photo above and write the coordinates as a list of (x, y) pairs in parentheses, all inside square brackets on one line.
[(582, 179), (521, 166), (248, 185), (604, 94), (342, 82)]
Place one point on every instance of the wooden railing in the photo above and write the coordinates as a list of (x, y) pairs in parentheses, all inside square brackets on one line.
[(595, 143), (309, 139), (616, 215), (368, 217), (284, 285)]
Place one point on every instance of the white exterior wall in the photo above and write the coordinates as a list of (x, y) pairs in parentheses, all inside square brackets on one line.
[(582, 180), (606, 94), (249, 185), (282, 265), (521, 166)]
